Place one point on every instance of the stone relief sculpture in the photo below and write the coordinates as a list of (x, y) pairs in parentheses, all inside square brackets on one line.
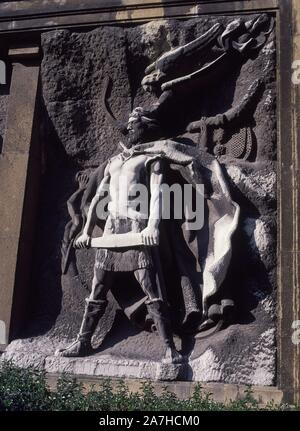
[(202, 60), (215, 131), (183, 103), (154, 154), (132, 164), (75, 225)]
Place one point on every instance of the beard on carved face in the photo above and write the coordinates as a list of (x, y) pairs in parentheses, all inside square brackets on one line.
[(136, 134)]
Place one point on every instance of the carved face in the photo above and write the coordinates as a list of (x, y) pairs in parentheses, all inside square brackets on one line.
[(136, 132)]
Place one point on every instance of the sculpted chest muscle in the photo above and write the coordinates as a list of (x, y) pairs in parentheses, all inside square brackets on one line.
[(125, 174), (132, 170)]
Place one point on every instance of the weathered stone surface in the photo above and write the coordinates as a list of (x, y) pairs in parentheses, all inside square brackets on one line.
[(235, 362), (3, 112), (253, 363), (79, 135), (220, 392)]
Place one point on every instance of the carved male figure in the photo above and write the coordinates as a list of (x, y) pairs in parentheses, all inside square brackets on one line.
[(74, 226), (124, 218)]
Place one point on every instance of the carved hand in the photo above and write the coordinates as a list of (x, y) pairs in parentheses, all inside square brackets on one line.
[(196, 126), (193, 127), (150, 236), (83, 241)]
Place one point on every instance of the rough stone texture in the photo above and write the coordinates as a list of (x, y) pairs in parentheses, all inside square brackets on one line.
[(78, 135), (252, 365), (4, 90), (38, 352)]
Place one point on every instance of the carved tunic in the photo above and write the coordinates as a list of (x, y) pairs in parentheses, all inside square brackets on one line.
[(125, 259)]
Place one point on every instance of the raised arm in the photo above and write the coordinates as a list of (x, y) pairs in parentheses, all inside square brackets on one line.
[(233, 114)]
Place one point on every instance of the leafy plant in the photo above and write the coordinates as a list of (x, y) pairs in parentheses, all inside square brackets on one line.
[(27, 389)]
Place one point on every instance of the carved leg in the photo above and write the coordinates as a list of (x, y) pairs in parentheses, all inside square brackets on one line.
[(159, 313), (94, 310)]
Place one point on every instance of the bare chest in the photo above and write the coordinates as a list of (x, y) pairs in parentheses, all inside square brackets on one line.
[(131, 170)]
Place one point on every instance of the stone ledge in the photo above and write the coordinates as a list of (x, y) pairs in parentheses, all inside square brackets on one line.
[(220, 392), (33, 17), (19, 9), (21, 53), (110, 367)]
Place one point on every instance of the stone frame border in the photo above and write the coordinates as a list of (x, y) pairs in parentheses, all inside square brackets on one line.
[(20, 22)]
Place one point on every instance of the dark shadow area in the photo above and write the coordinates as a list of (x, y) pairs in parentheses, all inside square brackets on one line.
[(56, 186), (121, 330)]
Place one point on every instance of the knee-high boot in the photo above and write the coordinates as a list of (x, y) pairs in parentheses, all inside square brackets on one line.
[(93, 312), (159, 313)]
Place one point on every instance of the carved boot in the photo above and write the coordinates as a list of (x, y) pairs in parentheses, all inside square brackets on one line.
[(82, 346), (159, 313)]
